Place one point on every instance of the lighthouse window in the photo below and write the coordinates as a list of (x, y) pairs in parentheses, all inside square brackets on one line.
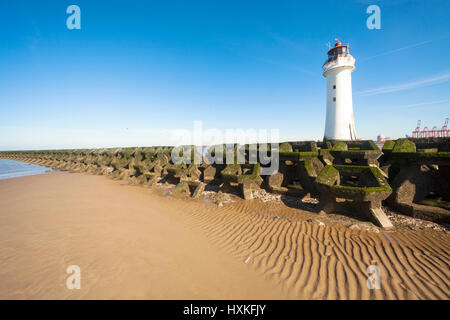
[(342, 50), (334, 99), (334, 87)]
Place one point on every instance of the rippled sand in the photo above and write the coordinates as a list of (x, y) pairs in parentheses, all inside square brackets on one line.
[(134, 242)]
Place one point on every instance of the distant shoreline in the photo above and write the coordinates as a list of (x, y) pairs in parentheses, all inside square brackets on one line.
[(10, 169)]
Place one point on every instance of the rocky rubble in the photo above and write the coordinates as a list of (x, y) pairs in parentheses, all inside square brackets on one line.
[(265, 196), (218, 198), (401, 221)]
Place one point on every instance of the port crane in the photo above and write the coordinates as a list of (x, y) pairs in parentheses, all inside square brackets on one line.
[(433, 133)]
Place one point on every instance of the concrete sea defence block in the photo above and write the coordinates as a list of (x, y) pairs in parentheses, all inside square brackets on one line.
[(364, 186)]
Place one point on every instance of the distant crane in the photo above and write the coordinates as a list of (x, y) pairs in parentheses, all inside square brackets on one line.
[(444, 132), (425, 132), (434, 133), (416, 132)]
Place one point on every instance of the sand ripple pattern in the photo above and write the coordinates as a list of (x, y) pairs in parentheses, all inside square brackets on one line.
[(326, 262)]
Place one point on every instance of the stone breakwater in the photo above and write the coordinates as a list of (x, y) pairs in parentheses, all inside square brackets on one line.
[(411, 176)]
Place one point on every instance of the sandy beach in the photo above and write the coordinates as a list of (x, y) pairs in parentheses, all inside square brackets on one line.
[(132, 242)]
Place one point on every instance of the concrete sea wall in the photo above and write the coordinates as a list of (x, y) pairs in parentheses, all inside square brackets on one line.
[(410, 175)]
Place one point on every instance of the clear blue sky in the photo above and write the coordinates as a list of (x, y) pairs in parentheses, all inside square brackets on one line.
[(138, 69)]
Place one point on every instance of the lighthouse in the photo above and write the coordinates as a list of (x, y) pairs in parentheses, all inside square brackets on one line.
[(338, 69)]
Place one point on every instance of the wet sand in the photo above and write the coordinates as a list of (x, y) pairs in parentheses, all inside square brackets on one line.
[(135, 243)]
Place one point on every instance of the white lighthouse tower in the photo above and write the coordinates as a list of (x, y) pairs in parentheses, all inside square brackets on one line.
[(338, 71)]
